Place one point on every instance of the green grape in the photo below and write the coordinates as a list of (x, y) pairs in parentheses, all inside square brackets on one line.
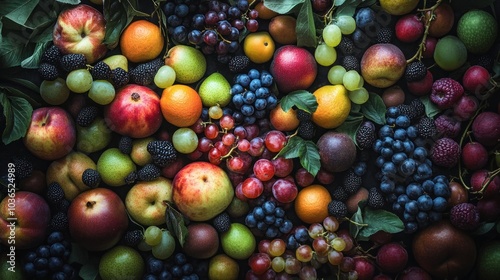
[(332, 35), (359, 96), (165, 77), (325, 55), (338, 244), (304, 253), (277, 247), (54, 92), (143, 246), (152, 235), (351, 80), (166, 247), (278, 264), (347, 24), (102, 92), (185, 140), (215, 112), (79, 81), (336, 74)]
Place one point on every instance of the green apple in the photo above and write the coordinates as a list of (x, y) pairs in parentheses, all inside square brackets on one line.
[(488, 260), (121, 262), (114, 166), (116, 61), (215, 90), (188, 62), (94, 137), (238, 242), (185, 140)]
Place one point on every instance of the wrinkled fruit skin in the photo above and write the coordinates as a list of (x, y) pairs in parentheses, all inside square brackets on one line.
[(445, 152), (465, 216), (446, 92)]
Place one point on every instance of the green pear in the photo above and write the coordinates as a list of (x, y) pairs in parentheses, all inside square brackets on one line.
[(114, 166), (115, 61), (94, 137), (121, 262), (215, 90), (188, 62)]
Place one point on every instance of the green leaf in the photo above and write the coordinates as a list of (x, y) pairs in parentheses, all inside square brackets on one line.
[(302, 99), (175, 224), (117, 15), (18, 116), (483, 228), (90, 270), (22, 11), (357, 223), (78, 254), (431, 109), (33, 61), (25, 83), (351, 125), (305, 28), (71, 2), (293, 148), (282, 6), (310, 159), (378, 219), (11, 50), (374, 109), (12, 91)]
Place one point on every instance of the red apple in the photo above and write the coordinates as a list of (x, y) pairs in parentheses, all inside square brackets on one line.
[(476, 79), (24, 220), (444, 251), (97, 219), (51, 133), (293, 68), (409, 28), (81, 29), (202, 190), (442, 20), (421, 87), (134, 112), (382, 65)]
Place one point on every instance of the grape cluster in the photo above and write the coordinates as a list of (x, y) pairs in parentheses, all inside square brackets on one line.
[(372, 26), (252, 96), (160, 242), (179, 267), (269, 219), (304, 252), (49, 260), (406, 175), (214, 26)]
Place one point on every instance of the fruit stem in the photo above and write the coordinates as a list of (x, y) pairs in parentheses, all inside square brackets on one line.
[(356, 223)]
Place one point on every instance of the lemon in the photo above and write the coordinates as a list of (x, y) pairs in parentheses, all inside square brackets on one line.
[(121, 262), (334, 106), (238, 242), (478, 31)]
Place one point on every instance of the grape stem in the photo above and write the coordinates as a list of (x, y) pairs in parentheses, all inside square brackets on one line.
[(421, 46)]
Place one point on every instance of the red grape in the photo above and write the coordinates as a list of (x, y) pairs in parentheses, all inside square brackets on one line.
[(284, 191), (252, 187), (211, 131), (228, 139), (226, 122), (214, 156), (252, 131), (204, 144), (263, 169), (256, 147), (240, 132), (236, 164), (303, 177), (283, 166), (275, 140), (259, 263), (263, 246), (243, 145)]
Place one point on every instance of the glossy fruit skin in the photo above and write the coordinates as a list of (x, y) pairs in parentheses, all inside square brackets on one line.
[(382, 65), (442, 22), (476, 79), (392, 257), (293, 68), (141, 41), (121, 261), (486, 128), (202, 241), (409, 28), (337, 151), (474, 156)]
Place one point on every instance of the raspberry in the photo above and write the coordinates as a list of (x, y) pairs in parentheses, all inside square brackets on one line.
[(144, 73), (445, 152), (222, 222), (365, 136), (447, 126), (91, 178), (132, 238), (162, 152), (426, 127), (346, 45), (415, 71), (465, 216), (100, 71), (86, 115), (306, 130), (337, 208), (446, 92), (51, 55), (119, 77), (48, 71), (238, 63), (125, 144), (350, 62), (375, 198), (148, 172), (73, 61), (384, 35)]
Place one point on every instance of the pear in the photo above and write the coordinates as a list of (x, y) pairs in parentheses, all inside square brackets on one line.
[(115, 61), (114, 166), (215, 90), (188, 62)]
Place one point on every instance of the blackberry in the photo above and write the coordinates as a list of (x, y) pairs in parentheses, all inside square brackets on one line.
[(144, 73), (407, 110), (384, 35), (303, 115), (130, 179), (54, 194), (59, 222), (148, 172), (63, 206), (86, 115), (415, 71), (418, 107), (48, 71), (73, 61), (119, 77), (125, 144), (340, 194), (337, 208), (366, 135), (346, 45), (426, 127), (91, 178), (24, 167), (375, 198), (306, 130), (162, 152), (351, 182), (222, 222), (350, 62), (132, 238), (238, 63), (51, 55), (100, 71)]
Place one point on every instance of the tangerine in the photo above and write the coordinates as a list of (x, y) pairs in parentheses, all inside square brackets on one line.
[(334, 106), (181, 105), (283, 121), (141, 41), (311, 204), (259, 47)]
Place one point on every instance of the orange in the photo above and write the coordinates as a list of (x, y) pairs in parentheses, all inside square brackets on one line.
[(311, 204), (334, 106), (283, 121), (264, 12), (141, 41), (181, 105), (259, 46)]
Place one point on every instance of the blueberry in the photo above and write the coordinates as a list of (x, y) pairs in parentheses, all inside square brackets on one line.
[(177, 271), (302, 235), (30, 256), (180, 34), (279, 212), (180, 259), (398, 146), (243, 80), (174, 20), (278, 222), (260, 104), (424, 171), (43, 251), (422, 217), (400, 134), (441, 189), (392, 112), (424, 202), (286, 227), (237, 89), (187, 269), (249, 97), (411, 227), (269, 219), (155, 266), (407, 217), (291, 242), (272, 101), (377, 145), (254, 74), (428, 186), (262, 92), (400, 189), (386, 152), (391, 198), (385, 130), (255, 84), (169, 8), (247, 110), (390, 121), (441, 178), (41, 263), (414, 190), (379, 161), (408, 167), (57, 249), (387, 186), (403, 199), (389, 169), (262, 226), (439, 204), (271, 232), (412, 132), (388, 141), (60, 276), (55, 263), (360, 168), (165, 275), (54, 237), (29, 268), (250, 221), (364, 17), (360, 39), (411, 207), (408, 146), (238, 100), (269, 207), (249, 119), (420, 154), (403, 121), (397, 208), (398, 158), (266, 79), (42, 274)]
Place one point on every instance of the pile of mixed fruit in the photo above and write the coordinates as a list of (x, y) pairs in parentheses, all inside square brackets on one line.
[(271, 139)]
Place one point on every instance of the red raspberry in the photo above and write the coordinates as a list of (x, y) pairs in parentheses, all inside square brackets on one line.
[(465, 216), (446, 92), (447, 126), (445, 152)]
